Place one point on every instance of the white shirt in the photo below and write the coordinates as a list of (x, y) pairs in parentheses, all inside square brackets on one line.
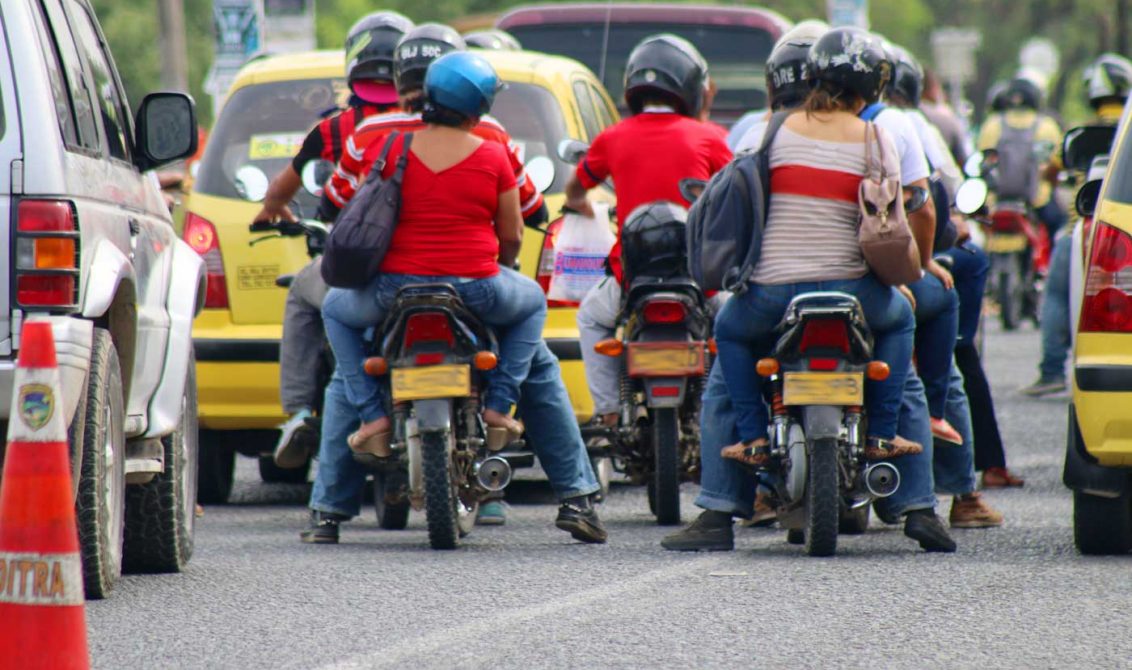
[(936, 149), (752, 139), (913, 162)]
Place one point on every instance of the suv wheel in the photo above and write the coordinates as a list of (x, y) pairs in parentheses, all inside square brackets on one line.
[(217, 468), (1102, 526), (100, 504)]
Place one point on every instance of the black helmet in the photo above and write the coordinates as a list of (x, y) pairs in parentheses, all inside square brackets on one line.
[(851, 59), (907, 76), (1022, 93), (653, 241), (996, 97), (418, 49), (669, 66), (500, 40), (1108, 78), (370, 44), (787, 70)]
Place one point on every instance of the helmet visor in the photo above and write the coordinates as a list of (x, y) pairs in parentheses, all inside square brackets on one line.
[(376, 92)]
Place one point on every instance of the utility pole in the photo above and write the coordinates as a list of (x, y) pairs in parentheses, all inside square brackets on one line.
[(1122, 27), (174, 53)]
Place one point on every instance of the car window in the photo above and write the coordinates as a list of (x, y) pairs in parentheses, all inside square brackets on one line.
[(64, 113), (111, 102), (533, 118), (77, 85), (586, 109), (1118, 180), (604, 112)]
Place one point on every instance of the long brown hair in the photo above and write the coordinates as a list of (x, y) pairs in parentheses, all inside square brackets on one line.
[(826, 97)]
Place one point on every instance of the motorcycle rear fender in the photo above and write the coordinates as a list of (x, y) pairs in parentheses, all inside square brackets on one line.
[(822, 422), (433, 416), (653, 400)]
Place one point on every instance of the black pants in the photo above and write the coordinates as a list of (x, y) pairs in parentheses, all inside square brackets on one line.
[(988, 442)]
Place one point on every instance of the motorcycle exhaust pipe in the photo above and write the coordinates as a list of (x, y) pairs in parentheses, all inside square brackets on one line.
[(494, 473), (881, 479)]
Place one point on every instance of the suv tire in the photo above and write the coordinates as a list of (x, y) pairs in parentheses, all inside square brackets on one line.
[(160, 514), (217, 468), (100, 504), (1102, 526)]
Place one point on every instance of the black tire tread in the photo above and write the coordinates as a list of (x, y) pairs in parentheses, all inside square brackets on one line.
[(823, 500), (217, 463), (389, 517), (440, 501), (666, 448), (1102, 526), (271, 473), (854, 521)]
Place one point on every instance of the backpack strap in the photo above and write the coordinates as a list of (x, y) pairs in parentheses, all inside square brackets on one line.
[(872, 111), (763, 156)]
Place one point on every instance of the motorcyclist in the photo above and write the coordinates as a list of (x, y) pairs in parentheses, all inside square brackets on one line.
[(646, 155), (369, 71), (1108, 81)]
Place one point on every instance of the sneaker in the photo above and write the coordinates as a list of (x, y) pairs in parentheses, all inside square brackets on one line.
[(971, 511), (323, 528), (944, 431), (297, 441), (578, 517), (925, 527), (1001, 478), (711, 531), (1044, 387), (491, 513)]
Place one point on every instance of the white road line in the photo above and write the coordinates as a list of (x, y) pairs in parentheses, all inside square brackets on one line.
[(448, 638)]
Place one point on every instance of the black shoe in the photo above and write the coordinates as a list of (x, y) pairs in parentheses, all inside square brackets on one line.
[(323, 528), (711, 531), (578, 517), (924, 526)]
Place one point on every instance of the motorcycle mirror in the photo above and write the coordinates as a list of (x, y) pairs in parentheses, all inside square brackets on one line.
[(971, 196), (1085, 143), (572, 151), (691, 189), (251, 183), (917, 198), (315, 175), (540, 170), (1087, 197), (974, 164)]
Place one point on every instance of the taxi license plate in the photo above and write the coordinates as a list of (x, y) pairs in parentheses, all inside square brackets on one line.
[(823, 388), (432, 381), (1006, 243), (666, 359)]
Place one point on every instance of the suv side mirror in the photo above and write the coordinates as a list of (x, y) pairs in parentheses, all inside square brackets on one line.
[(1087, 198), (1084, 144), (166, 129)]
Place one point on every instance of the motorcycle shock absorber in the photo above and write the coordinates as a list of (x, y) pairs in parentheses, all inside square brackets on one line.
[(781, 420), (472, 425), (399, 415), (853, 428), (625, 393)]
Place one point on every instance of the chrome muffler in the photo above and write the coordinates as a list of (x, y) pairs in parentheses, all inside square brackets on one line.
[(494, 473), (881, 479)]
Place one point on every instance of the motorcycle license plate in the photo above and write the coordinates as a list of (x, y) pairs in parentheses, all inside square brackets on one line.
[(1006, 243), (665, 359), (431, 381), (823, 388)]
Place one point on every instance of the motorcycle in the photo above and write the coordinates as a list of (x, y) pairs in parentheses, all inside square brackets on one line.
[(432, 355)]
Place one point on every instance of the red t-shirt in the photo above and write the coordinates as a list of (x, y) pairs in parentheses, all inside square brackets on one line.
[(647, 155), (447, 222)]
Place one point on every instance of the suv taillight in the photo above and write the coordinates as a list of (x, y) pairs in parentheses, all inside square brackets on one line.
[(546, 263), (1107, 307), (201, 236), (47, 254)]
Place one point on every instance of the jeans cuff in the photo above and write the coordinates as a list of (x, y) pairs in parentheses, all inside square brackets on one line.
[(913, 505), (717, 503), (371, 414), (499, 403), (575, 493), (329, 509)]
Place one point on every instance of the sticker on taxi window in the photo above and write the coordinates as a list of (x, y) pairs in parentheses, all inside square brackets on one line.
[(274, 145)]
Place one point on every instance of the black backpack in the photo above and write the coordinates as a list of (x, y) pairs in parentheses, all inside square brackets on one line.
[(364, 229)]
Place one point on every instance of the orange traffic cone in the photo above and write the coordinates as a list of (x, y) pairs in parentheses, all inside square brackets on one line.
[(42, 622)]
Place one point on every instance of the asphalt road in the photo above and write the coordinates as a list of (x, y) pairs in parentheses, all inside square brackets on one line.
[(526, 596)]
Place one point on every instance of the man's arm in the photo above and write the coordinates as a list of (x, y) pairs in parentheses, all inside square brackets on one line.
[(288, 182), (922, 222)]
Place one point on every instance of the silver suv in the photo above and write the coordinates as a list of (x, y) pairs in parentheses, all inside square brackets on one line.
[(93, 251)]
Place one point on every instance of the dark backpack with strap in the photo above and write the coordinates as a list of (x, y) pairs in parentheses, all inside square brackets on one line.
[(1018, 165), (725, 225), (364, 229)]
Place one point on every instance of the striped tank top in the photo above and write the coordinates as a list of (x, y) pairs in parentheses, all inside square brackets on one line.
[(811, 228)]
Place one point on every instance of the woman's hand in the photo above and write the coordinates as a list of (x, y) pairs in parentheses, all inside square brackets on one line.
[(941, 273), (907, 293)]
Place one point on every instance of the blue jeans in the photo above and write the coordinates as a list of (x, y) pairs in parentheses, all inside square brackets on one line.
[(970, 266), (954, 465), (728, 487), (744, 332), (510, 302), (1052, 215), (937, 323), (1055, 311), (545, 407)]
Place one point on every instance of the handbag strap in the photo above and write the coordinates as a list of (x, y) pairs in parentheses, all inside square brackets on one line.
[(379, 164), (874, 163), (403, 159)]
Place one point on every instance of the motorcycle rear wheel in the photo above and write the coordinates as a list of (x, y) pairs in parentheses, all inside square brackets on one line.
[(666, 474), (823, 499), (441, 505), (1009, 302)]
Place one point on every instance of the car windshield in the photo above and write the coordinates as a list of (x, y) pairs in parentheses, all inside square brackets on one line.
[(263, 126), (534, 121), (736, 55)]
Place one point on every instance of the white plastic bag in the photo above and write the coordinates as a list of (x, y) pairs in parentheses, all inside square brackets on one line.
[(580, 251)]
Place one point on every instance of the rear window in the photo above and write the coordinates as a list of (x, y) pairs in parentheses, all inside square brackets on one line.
[(264, 126), (533, 119), (736, 55)]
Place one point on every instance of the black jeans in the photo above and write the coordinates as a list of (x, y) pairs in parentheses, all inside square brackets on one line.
[(988, 442)]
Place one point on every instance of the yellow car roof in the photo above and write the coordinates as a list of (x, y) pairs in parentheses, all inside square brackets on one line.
[(518, 66)]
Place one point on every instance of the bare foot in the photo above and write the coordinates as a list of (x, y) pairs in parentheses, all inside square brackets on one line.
[(496, 419), (754, 452), (368, 430)]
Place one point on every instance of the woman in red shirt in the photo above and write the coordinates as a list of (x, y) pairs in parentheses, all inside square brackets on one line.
[(459, 224)]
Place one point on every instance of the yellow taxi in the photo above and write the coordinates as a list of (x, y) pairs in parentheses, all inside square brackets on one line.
[(273, 102), (1098, 462)]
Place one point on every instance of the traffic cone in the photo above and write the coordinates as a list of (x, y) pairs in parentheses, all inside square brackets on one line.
[(42, 621)]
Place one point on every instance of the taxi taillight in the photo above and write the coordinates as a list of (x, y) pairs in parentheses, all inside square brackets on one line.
[(47, 254), (1107, 307), (201, 235)]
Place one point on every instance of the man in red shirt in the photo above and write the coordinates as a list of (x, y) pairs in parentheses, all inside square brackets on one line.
[(417, 49), (646, 155)]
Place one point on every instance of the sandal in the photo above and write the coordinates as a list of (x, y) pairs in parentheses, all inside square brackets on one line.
[(375, 444), (755, 452), (877, 449), (499, 437)]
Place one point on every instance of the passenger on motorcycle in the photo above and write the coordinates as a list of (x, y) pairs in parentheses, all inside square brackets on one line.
[(646, 155), (369, 71), (459, 224)]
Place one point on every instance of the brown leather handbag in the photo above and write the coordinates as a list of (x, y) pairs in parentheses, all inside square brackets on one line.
[(885, 237)]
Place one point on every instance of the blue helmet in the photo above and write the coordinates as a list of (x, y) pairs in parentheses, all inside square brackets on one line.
[(462, 82)]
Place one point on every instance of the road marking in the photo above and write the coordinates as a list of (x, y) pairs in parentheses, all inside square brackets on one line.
[(447, 638)]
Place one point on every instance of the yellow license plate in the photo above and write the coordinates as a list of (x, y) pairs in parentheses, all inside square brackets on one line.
[(823, 388), (665, 359), (432, 381), (1006, 243)]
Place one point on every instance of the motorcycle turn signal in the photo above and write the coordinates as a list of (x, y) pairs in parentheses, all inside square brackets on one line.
[(611, 347), (877, 371), (767, 367), (376, 366), (485, 360)]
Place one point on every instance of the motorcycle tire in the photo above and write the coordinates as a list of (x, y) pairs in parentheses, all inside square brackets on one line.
[(1009, 302), (823, 499), (387, 487), (666, 472), (854, 521), (795, 536), (441, 505)]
